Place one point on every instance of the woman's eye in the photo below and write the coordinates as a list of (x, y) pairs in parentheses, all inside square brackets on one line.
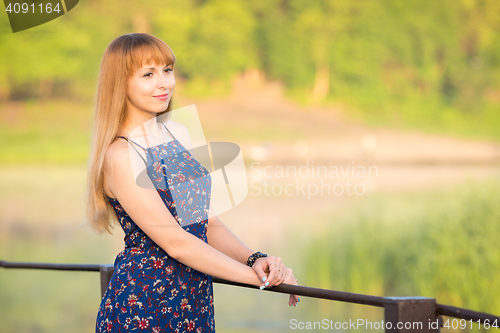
[(149, 74)]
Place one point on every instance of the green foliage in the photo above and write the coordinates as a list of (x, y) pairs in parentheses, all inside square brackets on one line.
[(432, 65), (440, 244)]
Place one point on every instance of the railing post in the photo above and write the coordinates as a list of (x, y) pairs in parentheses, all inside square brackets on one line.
[(106, 271), (411, 314)]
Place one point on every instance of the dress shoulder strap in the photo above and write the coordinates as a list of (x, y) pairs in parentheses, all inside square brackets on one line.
[(168, 131), (145, 162), (130, 140)]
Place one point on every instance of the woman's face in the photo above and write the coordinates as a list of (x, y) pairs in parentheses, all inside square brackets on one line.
[(150, 89)]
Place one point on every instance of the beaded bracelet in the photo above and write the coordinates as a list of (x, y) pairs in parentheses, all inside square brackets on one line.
[(251, 260)]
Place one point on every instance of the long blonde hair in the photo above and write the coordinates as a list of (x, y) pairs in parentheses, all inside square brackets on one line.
[(120, 60)]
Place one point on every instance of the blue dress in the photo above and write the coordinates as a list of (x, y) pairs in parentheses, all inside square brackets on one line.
[(150, 291)]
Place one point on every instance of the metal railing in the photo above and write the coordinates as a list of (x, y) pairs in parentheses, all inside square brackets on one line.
[(398, 311)]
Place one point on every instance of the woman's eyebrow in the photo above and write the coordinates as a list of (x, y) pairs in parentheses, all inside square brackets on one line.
[(153, 68)]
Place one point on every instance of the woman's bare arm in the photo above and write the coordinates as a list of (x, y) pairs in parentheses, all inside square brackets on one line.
[(149, 212), (220, 237)]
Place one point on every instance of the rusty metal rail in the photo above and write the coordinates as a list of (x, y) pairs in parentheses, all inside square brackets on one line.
[(398, 311)]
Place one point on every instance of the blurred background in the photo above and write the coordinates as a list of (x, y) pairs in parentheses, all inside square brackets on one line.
[(370, 131)]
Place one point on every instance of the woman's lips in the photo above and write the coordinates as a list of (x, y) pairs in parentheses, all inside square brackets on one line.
[(162, 97)]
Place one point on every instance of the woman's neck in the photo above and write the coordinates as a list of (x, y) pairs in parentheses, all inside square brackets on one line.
[(143, 127)]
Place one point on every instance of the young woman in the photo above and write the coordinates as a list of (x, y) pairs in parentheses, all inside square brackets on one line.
[(162, 280)]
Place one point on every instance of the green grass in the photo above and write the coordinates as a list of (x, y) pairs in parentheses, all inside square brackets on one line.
[(430, 114), (47, 300), (51, 131), (441, 244), (58, 131)]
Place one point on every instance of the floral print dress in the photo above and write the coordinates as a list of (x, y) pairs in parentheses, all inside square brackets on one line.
[(150, 291)]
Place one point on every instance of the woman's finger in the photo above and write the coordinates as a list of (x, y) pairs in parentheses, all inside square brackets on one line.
[(281, 276), (290, 279), (278, 278), (259, 266), (287, 276), (271, 278), (283, 273)]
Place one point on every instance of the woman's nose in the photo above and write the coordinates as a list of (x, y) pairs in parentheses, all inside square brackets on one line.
[(166, 81)]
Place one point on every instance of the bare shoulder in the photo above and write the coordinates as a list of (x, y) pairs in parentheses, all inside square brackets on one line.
[(116, 154)]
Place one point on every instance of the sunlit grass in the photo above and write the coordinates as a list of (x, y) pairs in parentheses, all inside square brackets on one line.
[(441, 244), (58, 131), (54, 131)]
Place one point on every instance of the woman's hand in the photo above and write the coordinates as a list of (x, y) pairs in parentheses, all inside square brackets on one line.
[(274, 267), (278, 274), (290, 279)]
